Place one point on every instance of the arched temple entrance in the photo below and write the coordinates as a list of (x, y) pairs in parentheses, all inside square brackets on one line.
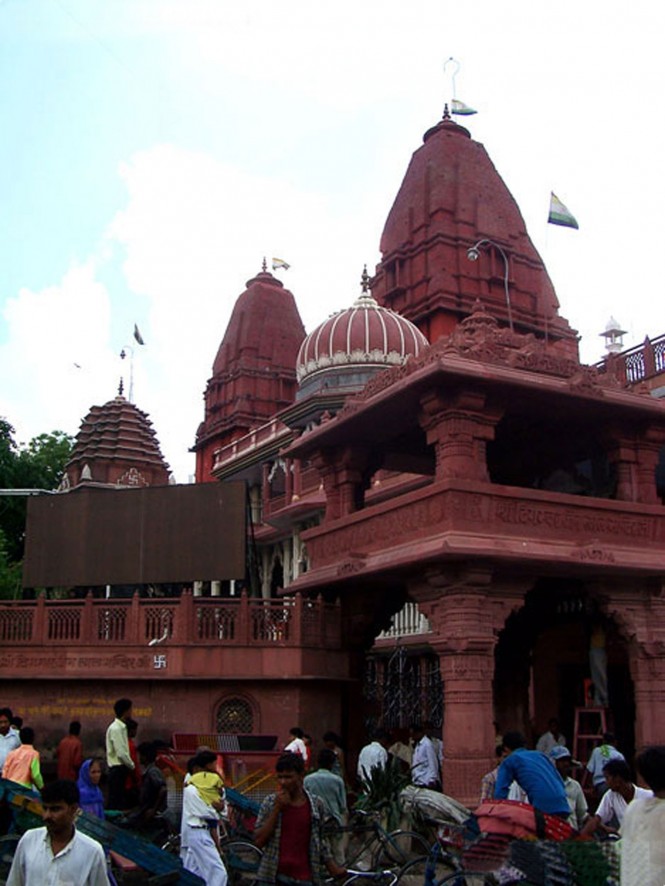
[(542, 667)]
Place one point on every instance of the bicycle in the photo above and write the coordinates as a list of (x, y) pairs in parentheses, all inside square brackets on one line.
[(372, 848), (241, 857), (444, 863), (360, 878), (242, 860)]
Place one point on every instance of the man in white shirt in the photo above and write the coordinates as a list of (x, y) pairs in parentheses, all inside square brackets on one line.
[(374, 755), (9, 739), (118, 759), (612, 808), (197, 847), (643, 828), (425, 772), (297, 744), (57, 854)]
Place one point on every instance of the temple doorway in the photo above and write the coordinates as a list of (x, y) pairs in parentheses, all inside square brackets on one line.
[(542, 665)]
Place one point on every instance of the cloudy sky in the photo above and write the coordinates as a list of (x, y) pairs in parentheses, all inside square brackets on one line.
[(153, 151)]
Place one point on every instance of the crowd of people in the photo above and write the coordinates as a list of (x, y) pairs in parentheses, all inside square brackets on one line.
[(311, 793), (543, 779)]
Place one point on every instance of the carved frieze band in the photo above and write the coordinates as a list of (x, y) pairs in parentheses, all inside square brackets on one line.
[(586, 527)]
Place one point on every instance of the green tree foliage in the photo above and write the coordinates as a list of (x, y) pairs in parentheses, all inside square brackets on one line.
[(10, 573), (38, 464)]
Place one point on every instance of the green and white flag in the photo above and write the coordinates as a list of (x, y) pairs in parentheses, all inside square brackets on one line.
[(462, 110), (560, 214)]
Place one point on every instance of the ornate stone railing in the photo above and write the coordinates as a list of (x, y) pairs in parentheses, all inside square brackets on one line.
[(188, 620), (256, 438), (637, 364)]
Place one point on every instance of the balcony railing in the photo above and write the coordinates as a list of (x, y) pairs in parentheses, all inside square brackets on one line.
[(637, 364), (188, 620)]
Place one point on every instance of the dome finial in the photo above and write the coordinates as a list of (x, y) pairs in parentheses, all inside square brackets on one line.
[(365, 280), (446, 112), (121, 387), (264, 266)]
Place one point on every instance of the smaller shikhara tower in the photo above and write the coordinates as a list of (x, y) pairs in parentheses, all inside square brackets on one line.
[(116, 446), (253, 375), (451, 198)]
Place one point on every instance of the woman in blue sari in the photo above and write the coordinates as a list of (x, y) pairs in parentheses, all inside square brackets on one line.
[(92, 799)]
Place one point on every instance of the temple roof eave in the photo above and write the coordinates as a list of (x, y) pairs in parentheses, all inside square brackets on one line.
[(395, 396)]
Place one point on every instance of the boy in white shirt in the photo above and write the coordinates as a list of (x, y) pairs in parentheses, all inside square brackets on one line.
[(615, 801), (643, 828)]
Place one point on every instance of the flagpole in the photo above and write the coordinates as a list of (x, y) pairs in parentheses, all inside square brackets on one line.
[(131, 369), (453, 75)]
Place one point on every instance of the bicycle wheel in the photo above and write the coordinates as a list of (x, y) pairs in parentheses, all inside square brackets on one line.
[(399, 847), (242, 862), (415, 873)]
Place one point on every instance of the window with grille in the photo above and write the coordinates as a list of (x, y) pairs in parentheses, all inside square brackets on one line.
[(235, 715)]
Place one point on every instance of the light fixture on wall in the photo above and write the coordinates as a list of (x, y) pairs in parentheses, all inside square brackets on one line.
[(473, 254)]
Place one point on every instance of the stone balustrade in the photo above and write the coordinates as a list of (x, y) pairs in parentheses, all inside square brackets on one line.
[(183, 621), (637, 364)]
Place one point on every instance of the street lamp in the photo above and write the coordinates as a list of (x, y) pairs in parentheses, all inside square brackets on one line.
[(473, 254)]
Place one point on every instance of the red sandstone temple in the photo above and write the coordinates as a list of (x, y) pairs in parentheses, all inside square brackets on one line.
[(445, 507)]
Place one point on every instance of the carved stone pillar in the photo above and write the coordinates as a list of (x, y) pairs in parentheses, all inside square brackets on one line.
[(648, 453), (344, 473), (640, 612), (288, 480), (466, 614), (635, 459), (459, 425)]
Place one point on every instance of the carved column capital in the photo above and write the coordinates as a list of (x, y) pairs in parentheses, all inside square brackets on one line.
[(343, 472), (459, 424)]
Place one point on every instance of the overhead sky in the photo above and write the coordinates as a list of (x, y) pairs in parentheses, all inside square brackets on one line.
[(153, 152)]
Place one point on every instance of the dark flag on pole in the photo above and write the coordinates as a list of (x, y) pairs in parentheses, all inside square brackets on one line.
[(137, 335)]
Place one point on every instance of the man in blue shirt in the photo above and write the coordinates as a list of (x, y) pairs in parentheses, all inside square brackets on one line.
[(534, 773)]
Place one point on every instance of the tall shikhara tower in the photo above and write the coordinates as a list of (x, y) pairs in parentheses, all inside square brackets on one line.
[(452, 197), (254, 372)]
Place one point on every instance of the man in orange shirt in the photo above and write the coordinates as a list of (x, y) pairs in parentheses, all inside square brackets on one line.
[(70, 753), (22, 765)]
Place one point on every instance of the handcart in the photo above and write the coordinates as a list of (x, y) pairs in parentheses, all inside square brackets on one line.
[(465, 855), (161, 867)]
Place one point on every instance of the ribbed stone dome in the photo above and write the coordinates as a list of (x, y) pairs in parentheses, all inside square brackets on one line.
[(364, 335)]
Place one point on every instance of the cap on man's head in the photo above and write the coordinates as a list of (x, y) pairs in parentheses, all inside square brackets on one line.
[(558, 752)]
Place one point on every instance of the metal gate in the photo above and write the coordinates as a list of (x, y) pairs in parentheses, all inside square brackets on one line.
[(401, 688)]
